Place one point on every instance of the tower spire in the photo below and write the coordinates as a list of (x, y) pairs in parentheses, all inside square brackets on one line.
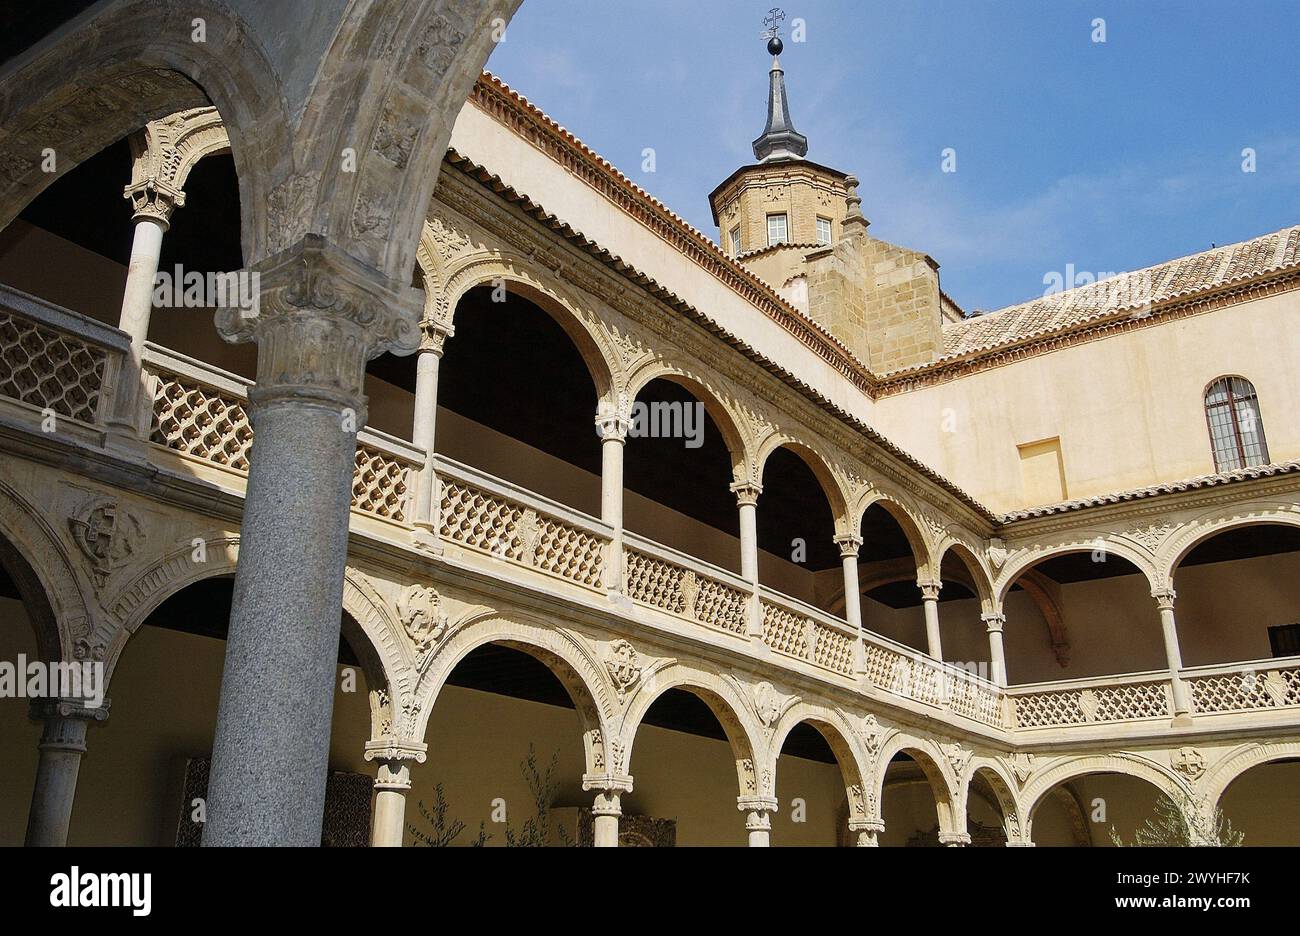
[(780, 140)]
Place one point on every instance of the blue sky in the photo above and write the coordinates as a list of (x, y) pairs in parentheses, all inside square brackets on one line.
[(1108, 156)]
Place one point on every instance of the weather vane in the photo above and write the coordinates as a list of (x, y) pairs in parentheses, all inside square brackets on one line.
[(772, 33), (775, 17)]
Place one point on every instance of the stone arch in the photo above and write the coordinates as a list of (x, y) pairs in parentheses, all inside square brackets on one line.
[(565, 653), (830, 484), (978, 572), (397, 113), (50, 581), (1238, 762), (906, 514), (724, 416), (549, 296), (1189, 535), (1003, 785), (727, 705), (840, 737), (139, 59), (373, 638), (933, 764), (1087, 541), (1071, 768), (168, 149)]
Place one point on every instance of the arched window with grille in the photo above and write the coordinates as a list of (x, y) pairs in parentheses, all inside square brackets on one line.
[(1236, 428)]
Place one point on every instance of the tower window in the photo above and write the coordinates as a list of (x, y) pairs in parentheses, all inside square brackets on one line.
[(778, 229), (1236, 429), (823, 230), (735, 241)]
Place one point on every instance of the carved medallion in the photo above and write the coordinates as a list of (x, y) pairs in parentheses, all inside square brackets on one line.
[(624, 666), (1189, 762), (108, 534), (422, 616)]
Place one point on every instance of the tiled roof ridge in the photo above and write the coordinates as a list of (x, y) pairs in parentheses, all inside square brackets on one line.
[(1154, 490)]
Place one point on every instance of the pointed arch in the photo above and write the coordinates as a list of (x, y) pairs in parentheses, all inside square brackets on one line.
[(1004, 786), (978, 576), (933, 764), (906, 514)]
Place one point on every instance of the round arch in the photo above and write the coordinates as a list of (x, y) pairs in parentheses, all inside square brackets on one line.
[(522, 280), (51, 584), (728, 708), (563, 652), (1238, 762), (933, 764), (1000, 781), (978, 574), (141, 53), (723, 416), (1031, 557), (1072, 768), (839, 735), (1209, 525), (904, 513), (830, 484)]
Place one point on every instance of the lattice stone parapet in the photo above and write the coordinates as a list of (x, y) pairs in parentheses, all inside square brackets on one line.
[(321, 315)]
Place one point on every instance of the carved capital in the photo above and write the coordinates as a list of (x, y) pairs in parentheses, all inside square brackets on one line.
[(434, 335), (849, 544), (612, 426), (154, 199), (746, 492), (321, 315), (1164, 598), (64, 723), (609, 783), (993, 623), (954, 838), (394, 750), (929, 588)]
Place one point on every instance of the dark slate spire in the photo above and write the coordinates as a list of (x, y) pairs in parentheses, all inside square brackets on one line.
[(780, 140)]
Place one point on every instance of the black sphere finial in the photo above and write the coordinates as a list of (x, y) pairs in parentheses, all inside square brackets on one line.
[(774, 45)]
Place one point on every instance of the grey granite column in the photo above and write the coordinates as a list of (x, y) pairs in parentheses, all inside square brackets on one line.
[(322, 315), (63, 741)]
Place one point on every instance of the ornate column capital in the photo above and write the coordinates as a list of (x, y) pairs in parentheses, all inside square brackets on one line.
[(746, 492), (434, 335), (155, 199), (612, 427), (994, 622), (607, 783), (954, 838), (849, 544), (1164, 597), (64, 723), (757, 804), (319, 316), (929, 588), (396, 749)]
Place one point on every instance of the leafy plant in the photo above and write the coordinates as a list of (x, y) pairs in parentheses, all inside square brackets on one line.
[(1182, 825)]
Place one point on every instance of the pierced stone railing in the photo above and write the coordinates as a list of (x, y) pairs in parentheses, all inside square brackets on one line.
[(799, 630), (905, 672), (55, 360), (1256, 686), (662, 578), (201, 411), (499, 519), (1091, 701)]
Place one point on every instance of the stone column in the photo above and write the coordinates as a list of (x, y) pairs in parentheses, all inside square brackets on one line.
[(154, 201), (63, 741), (849, 544), (866, 832), (758, 819), (993, 624), (612, 429), (433, 336), (1182, 701), (392, 782), (607, 807), (747, 500), (322, 315), (930, 599)]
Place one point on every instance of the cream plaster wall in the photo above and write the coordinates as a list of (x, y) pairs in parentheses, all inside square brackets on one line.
[(1128, 409)]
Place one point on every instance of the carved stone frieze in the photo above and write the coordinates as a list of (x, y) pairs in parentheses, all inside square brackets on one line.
[(108, 534)]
